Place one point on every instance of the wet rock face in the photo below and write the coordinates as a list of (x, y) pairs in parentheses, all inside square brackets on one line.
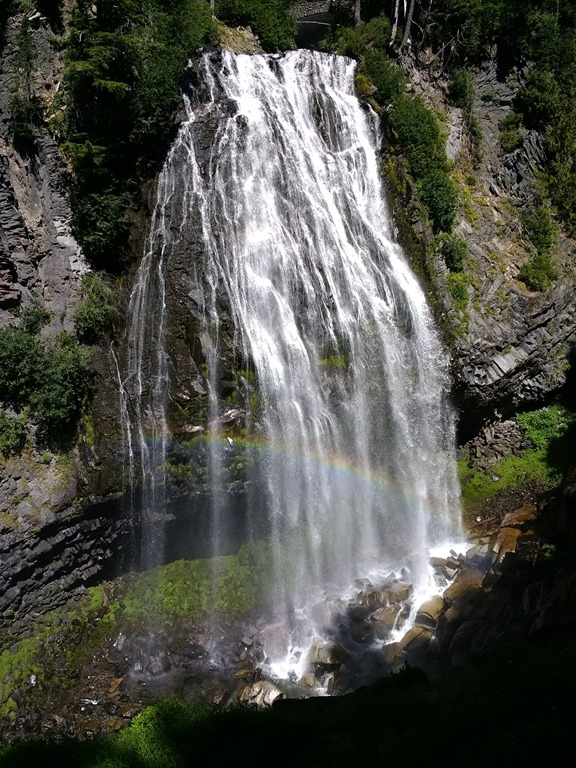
[(39, 258), (50, 543)]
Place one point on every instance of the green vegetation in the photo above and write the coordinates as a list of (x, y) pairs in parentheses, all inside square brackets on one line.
[(47, 380), (12, 434), (412, 128), (461, 94), (96, 310), (34, 655), (462, 36), (510, 135), (438, 193), (417, 133), (546, 429), (269, 19), (540, 229), (542, 33), (461, 89), (458, 288), (453, 250), (538, 273), (392, 722), (23, 106), (551, 431), (334, 362), (193, 588), (123, 67)]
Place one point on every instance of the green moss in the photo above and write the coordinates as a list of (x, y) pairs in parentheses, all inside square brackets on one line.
[(512, 472), (334, 362), (546, 426), (190, 589), (34, 655), (550, 430)]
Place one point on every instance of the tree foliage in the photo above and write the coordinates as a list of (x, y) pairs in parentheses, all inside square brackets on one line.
[(96, 310), (269, 19), (46, 379), (124, 62)]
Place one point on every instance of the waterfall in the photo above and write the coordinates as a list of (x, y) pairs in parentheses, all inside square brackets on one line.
[(349, 435)]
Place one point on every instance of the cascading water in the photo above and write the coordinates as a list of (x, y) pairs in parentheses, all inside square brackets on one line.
[(349, 439)]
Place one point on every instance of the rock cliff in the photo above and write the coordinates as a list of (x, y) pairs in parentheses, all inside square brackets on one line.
[(60, 523), (511, 347)]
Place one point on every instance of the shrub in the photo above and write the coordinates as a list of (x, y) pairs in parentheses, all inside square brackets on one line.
[(96, 310), (510, 136), (50, 380), (440, 196), (60, 386), (538, 273), (387, 78), (416, 131), (33, 318), (461, 89), (538, 98), (541, 230), (539, 227), (22, 361), (458, 288), (12, 434), (24, 114), (453, 250)]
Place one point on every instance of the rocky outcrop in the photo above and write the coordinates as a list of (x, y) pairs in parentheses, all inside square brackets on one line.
[(511, 347), (56, 531), (507, 587), (52, 538), (39, 258)]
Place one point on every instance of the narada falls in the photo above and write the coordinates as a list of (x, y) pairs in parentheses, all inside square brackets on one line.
[(315, 417)]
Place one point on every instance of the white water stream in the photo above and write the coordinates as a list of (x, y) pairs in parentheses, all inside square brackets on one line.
[(353, 446)]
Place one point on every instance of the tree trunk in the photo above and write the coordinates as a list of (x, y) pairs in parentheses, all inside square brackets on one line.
[(408, 24), (395, 25), (357, 19)]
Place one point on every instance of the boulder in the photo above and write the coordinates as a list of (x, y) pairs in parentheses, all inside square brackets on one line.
[(326, 653), (430, 611), (464, 587), (416, 641), (383, 620), (519, 518), (261, 694), (398, 593)]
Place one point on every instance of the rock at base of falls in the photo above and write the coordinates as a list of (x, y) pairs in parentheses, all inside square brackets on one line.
[(261, 694)]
